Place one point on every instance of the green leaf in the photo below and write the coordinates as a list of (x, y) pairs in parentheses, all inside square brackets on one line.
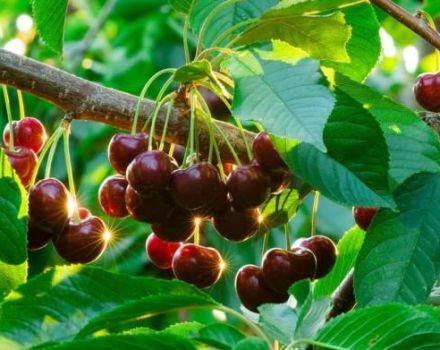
[(355, 169), (300, 31), (252, 343), (280, 209), (399, 261), (312, 316), (392, 326), (432, 7), (278, 321), (348, 248), (220, 336), (193, 71), (13, 228), (401, 126), (301, 291), (293, 100), (49, 18), (299, 7), (181, 5), (54, 306)]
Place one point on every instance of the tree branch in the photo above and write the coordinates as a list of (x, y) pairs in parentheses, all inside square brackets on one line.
[(416, 23), (90, 101)]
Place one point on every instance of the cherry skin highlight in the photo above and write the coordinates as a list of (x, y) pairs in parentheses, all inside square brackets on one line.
[(23, 160), (427, 91), (123, 148), (112, 196), (200, 266), (29, 132), (160, 252), (364, 216)]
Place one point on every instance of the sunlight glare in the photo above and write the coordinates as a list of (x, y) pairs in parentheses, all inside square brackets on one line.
[(24, 23)]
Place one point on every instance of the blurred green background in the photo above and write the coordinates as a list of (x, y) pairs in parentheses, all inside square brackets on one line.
[(138, 38)]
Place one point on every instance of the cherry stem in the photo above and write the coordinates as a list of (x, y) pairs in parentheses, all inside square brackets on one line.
[(171, 151), (69, 169), (153, 124), (165, 127), (206, 52), (287, 236), (231, 148), (197, 234), (265, 242), (21, 104), (51, 155), (144, 92), (9, 114), (430, 21), (316, 197), (192, 128)]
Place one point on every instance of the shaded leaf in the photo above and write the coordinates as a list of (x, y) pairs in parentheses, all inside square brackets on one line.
[(280, 209), (278, 321)]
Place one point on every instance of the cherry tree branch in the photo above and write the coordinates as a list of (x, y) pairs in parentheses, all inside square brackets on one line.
[(90, 101)]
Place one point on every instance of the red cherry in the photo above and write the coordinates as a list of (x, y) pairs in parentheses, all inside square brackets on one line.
[(282, 268), (123, 148), (28, 132), (84, 213), (427, 91), (266, 154), (23, 160), (151, 171), (178, 227), (253, 291), (160, 252), (197, 265), (38, 238), (83, 242), (112, 196), (364, 216), (178, 154)]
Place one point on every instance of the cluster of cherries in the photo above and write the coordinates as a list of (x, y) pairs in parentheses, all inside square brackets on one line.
[(77, 240)]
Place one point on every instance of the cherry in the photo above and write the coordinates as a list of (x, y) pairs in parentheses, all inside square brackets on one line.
[(154, 207), (249, 186), (23, 160), (28, 132), (427, 91), (48, 205), (197, 265), (279, 180), (160, 252), (218, 108), (178, 227), (123, 148), (112, 196), (325, 252), (364, 216), (151, 171), (198, 188), (237, 224), (282, 268), (84, 213), (82, 242), (253, 291), (38, 237), (178, 153), (266, 154)]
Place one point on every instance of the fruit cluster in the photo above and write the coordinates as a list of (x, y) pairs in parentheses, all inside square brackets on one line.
[(310, 258)]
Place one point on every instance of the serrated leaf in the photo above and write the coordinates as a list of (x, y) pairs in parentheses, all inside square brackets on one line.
[(278, 321), (289, 100), (300, 31), (181, 5), (280, 209), (399, 261), (220, 336), (299, 7), (312, 316), (193, 71), (49, 19), (395, 326)]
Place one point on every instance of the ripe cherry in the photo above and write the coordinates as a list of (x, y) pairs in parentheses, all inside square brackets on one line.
[(178, 227), (237, 224), (427, 91), (151, 171), (279, 180), (28, 132), (123, 148), (198, 265), (84, 213), (48, 205), (364, 216), (199, 188), (282, 268), (154, 207), (253, 291), (249, 186), (38, 237), (160, 252), (178, 153), (23, 160), (266, 154), (325, 252), (82, 242), (112, 196)]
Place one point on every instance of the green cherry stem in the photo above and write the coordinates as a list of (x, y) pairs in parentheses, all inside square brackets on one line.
[(21, 104), (265, 242), (69, 169), (51, 155), (229, 145), (9, 114), (165, 127), (154, 119), (287, 236), (315, 212)]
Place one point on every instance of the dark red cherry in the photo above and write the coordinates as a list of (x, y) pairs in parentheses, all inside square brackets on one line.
[(151, 171), (178, 227), (325, 252), (82, 242), (38, 237), (265, 153), (279, 180), (112, 196), (253, 291), (28, 132), (123, 148), (427, 91), (23, 160), (178, 153), (160, 252), (154, 207), (282, 268), (84, 213), (48, 205), (249, 186), (364, 216), (237, 224), (199, 188), (198, 265)]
